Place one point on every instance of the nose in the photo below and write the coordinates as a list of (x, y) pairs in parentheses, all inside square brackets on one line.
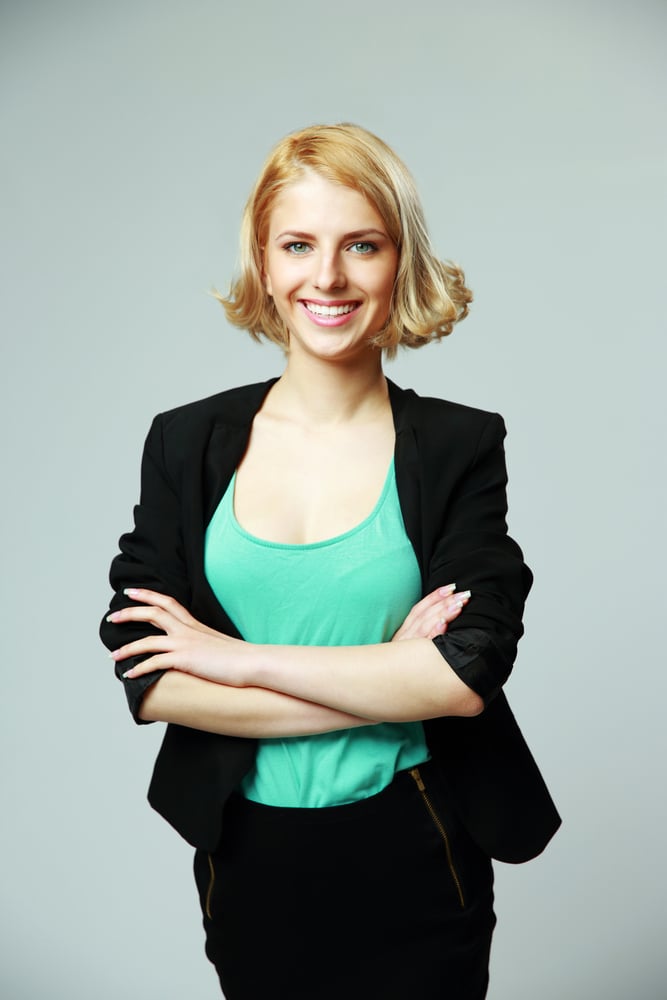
[(329, 272)]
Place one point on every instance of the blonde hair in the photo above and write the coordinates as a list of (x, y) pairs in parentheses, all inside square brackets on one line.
[(429, 295)]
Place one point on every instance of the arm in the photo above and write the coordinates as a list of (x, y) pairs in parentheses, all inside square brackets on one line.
[(471, 546), (474, 548), (152, 554), (390, 692), (395, 682), (399, 681), (249, 711), (257, 712)]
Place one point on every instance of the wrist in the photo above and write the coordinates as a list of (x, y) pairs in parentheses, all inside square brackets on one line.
[(249, 660)]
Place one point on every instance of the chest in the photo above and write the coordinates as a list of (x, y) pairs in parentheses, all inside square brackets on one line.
[(298, 485)]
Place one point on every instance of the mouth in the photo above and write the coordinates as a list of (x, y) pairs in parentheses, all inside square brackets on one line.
[(329, 313), (327, 310)]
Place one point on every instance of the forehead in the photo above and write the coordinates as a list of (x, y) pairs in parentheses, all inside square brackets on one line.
[(311, 201)]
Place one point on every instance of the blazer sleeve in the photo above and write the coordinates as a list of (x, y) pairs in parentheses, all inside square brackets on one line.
[(475, 550), (151, 556)]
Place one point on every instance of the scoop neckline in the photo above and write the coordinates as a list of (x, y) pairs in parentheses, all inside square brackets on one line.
[(322, 543)]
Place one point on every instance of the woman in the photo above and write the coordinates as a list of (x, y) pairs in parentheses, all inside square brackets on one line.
[(320, 598)]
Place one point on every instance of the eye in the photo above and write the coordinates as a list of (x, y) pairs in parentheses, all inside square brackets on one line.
[(297, 248), (363, 247)]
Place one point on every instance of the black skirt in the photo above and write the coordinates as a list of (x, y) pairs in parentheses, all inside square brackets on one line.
[(387, 897)]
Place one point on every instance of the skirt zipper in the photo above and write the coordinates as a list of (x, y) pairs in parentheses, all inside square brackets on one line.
[(209, 891), (416, 776)]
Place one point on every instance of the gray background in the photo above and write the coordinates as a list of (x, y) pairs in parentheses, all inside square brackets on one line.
[(131, 132)]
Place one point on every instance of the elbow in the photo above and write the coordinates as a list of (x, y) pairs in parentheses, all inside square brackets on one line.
[(470, 705), (473, 706), (142, 713), (150, 705), (481, 662), (140, 693)]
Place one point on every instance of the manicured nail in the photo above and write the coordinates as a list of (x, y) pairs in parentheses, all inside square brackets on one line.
[(112, 617), (446, 591), (126, 674), (464, 594), (131, 591)]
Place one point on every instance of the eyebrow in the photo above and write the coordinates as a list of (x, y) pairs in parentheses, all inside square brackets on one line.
[(358, 234)]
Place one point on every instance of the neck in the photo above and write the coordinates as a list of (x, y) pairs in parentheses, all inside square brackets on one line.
[(323, 393)]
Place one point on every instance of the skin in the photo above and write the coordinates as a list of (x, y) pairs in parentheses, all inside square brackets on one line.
[(320, 446)]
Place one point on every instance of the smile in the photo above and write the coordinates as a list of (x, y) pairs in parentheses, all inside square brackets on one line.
[(322, 310)]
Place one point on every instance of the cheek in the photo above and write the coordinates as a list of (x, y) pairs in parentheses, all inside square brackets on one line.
[(277, 278), (385, 291)]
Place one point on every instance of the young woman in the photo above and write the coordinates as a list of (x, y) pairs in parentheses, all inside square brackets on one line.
[(320, 598)]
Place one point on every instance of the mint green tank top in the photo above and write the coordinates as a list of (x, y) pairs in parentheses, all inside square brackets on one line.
[(353, 589)]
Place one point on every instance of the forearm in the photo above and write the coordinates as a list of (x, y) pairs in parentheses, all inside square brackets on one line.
[(238, 711), (403, 681), (394, 682)]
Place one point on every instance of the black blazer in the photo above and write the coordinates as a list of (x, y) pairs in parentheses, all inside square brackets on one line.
[(451, 478)]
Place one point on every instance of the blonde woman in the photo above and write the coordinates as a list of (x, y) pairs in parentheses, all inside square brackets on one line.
[(320, 598)]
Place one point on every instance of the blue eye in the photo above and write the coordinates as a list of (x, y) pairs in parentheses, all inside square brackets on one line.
[(297, 248), (363, 247)]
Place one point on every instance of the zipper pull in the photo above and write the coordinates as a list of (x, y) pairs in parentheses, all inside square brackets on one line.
[(418, 778)]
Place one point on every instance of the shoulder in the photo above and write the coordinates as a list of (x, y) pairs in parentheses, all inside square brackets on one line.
[(436, 418), (235, 407)]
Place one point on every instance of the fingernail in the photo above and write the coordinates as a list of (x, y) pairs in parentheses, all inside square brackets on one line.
[(112, 617), (126, 674), (462, 596), (131, 591), (445, 591)]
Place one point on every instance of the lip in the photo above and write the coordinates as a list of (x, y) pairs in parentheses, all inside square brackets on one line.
[(330, 320)]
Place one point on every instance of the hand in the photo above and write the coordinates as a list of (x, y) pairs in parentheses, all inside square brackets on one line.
[(430, 616), (187, 644)]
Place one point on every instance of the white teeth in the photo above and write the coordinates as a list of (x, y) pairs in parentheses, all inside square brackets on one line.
[(328, 310)]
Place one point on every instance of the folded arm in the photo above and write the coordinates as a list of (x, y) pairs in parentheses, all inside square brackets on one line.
[(221, 684), (249, 711)]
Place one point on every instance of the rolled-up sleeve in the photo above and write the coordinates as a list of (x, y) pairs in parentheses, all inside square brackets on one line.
[(151, 556), (475, 551)]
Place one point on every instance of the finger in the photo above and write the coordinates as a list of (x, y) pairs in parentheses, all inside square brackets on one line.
[(162, 619), (446, 617), (430, 616), (437, 595), (441, 623), (149, 644), (456, 604), (444, 611), (454, 607), (439, 629), (422, 607), (168, 604), (440, 616), (155, 599), (161, 661)]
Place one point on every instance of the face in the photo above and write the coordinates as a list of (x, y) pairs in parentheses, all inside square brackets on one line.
[(329, 266)]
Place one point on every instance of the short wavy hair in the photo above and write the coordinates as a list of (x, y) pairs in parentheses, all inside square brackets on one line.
[(429, 295)]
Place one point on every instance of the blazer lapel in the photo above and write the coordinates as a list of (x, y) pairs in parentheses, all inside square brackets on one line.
[(408, 475), (222, 452)]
